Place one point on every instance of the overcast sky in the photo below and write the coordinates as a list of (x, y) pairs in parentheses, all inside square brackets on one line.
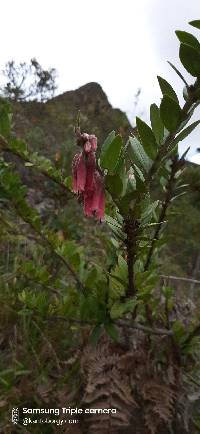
[(122, 45)]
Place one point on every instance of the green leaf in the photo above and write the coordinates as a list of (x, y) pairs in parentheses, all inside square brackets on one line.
[(68, 182), (4, 123), (114, 184), (166, 88), (190, 58), (170, 113), (138, 155), (116, 227), (178, 72), (147, 138), (111, 151), (156, 123), (188, 38), (148, 211), (178, 331), (185, 132), (95, 335), (195, 23), (112, 331), (138, 174), (112, 221), (127, 202), (119, 309), (28, 164)]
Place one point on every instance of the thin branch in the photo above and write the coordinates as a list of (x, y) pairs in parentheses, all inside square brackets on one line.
[(48, 243), (7, 278), (131, 228), (51, 247), (165, 205), (145, 329), (6, 148), (181, 279), (120, 323), (168, 141), (49, 345)]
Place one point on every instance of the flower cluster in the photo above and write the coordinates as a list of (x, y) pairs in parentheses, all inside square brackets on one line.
[(86, 178)]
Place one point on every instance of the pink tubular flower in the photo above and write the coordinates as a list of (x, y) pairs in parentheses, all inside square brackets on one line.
[(91, 167), (86, 178), (78, 173), (87, 147), (87, 203), (93, 141), (94, 201)]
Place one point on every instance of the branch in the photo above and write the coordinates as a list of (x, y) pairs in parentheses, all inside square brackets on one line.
[(48, 244), (51, 247), (168, 141), (120, 323), (27, 159), (169, 194), (131, 227), (30, 279), (183, 279)]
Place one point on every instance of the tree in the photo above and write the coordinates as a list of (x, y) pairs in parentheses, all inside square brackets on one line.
[(28, 81)]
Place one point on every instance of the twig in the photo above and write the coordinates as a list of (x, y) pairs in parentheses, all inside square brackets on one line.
[(183, 279), (169, 193), (120, 323), (145, 329), (48, 243), (6, 148), (49, 345), (163, 150), (131, 227)]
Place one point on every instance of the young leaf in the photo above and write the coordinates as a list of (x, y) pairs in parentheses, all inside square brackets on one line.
[(166, 88), (119, 309), (114, 184), (95, 335), (138, 155), (186, 132), (112, 331), (139, 174), (195, 23), (170, 113), (178, 72), (190, 58), (188, 38), (147, 138), (111, 151), (156, 123)]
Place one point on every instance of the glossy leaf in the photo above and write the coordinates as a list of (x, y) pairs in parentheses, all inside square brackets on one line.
[(119, 309), (147, 138), (170, 113), (195, 23), (112, 331), (181, 136), (188, 38), (178, 72), (95, 335), (166, 88), (190, 58), (114, 184), (156, 123), (111, 151)]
